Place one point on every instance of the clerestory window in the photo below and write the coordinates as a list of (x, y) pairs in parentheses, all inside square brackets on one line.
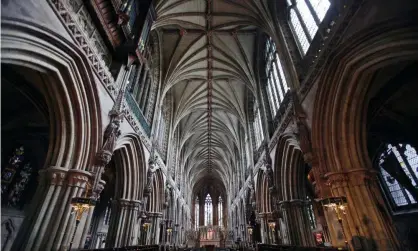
[(305, 16), (276, 82)]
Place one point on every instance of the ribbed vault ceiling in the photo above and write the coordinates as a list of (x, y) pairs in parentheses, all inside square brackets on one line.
[(208, 66)]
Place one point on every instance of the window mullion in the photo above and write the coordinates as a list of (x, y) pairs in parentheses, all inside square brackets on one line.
[(405, 194), (275, 79), (302, 23), (408, 166), (275, 91), (293, 28), (279, 76), (313, 12), (386, 189), (271, 100)]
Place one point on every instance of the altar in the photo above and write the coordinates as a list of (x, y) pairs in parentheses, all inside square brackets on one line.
[(210, 236)]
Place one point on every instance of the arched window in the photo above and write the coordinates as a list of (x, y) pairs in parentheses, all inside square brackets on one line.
[(220, 212), (276, 82), (398, 166), (196, 213), (208, 210), (258, 128), (305, 16)]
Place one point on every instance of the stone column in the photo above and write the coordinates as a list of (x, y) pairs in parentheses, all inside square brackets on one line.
[(263, 227), (215, 212), (296, 228), (154, 232), (366, 219), (201, 212), (124, 215), (48, 221)]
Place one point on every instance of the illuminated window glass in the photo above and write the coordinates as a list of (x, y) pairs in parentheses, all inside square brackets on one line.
[(299, 32), (208, 210), (276, 81), (407, 159), (305, 18), (320, 7)]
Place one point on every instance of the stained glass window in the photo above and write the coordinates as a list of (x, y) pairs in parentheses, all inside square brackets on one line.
[(208, 210), (407, 158), (305, 17), (276, 81)]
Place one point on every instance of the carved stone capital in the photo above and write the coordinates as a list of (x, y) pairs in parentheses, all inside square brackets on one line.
[(337, 179), (55, 175), (360, 177), (78, 178)]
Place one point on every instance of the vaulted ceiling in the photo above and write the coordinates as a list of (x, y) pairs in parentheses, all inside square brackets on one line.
[(209, 54)]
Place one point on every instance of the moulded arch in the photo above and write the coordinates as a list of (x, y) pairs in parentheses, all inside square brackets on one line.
[(130, 166), (339, 130), (69, 89)]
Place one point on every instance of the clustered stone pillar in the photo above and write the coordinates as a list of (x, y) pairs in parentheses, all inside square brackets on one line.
[(365, 216), (50, 223), (201, 212), (155, 228), (122, 223), (296, 229), (264, 227)]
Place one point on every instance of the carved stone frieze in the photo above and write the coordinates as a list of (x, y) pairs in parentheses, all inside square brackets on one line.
[(75, 17)]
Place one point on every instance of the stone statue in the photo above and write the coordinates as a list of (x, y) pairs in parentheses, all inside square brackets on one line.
[(167, 195), (111, 134)]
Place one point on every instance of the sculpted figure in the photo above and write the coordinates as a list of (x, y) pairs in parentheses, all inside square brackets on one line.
[(111, 134)]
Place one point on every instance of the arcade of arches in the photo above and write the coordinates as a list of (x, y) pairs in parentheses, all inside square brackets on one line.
[(189, 123)]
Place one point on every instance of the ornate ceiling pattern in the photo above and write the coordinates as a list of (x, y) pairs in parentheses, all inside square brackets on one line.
[(209, 55)]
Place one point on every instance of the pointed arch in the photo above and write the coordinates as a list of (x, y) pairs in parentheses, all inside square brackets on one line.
[(68, 86), (130, 167), (338, 132)]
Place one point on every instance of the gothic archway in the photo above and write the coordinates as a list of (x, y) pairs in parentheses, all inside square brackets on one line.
[(291, 177), (128, 165), (57, 70), (339, 132)]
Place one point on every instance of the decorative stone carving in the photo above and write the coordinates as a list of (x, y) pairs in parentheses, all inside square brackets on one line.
[(337, 179), (112, 133), (302, 132), (76, 18), (78, 178)]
